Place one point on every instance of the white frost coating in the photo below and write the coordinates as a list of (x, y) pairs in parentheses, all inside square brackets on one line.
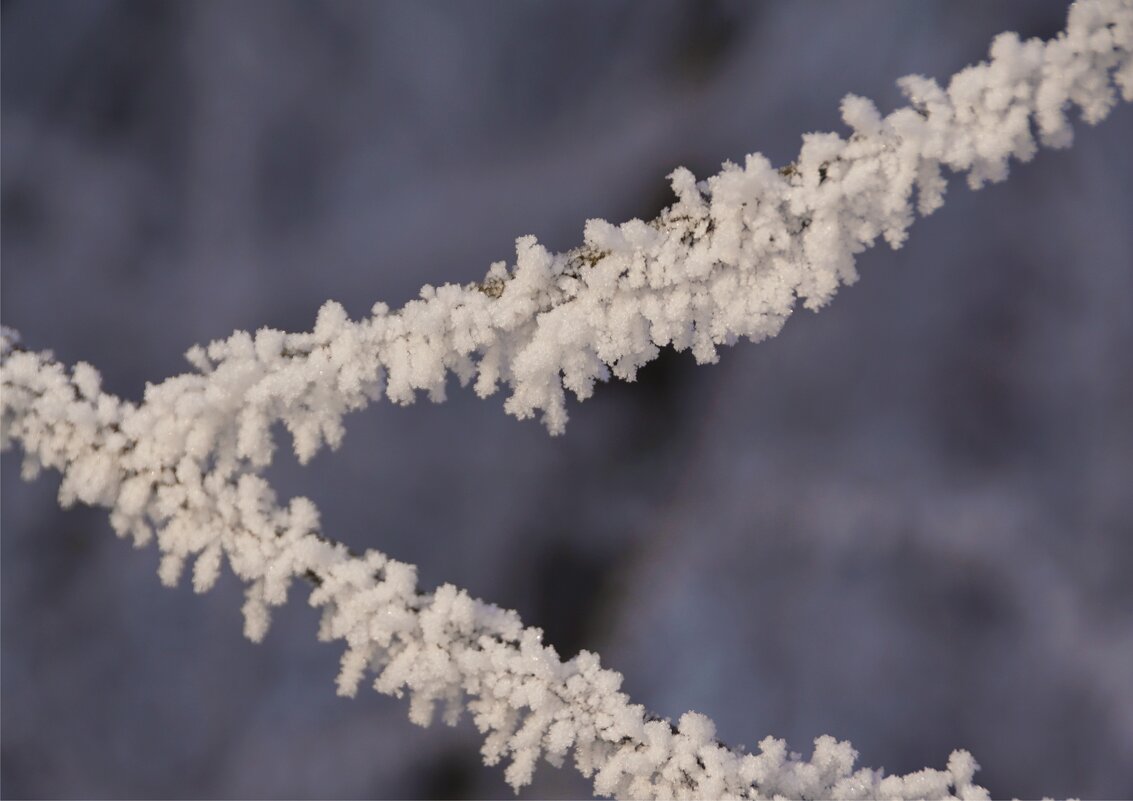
[(727, 260)]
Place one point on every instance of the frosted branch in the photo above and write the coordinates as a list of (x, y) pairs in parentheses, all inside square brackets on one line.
[(727, 260)]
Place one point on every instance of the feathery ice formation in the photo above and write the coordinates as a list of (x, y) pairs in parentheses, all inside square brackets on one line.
[(727, 260)]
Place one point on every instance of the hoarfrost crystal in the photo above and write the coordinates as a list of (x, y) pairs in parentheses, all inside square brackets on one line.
[(726, 261)]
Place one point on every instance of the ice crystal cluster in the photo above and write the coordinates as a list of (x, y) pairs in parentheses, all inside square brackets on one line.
[(727, 260)]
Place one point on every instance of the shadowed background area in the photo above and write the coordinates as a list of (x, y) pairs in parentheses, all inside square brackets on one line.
[(906, 521)]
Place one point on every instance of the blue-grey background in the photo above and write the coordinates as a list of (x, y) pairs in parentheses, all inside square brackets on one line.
[(906, 521)]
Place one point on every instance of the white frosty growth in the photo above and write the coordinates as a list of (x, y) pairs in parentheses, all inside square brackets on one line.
[(727, 260)]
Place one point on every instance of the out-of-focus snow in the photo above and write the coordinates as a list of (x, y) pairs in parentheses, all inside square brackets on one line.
[(904, 522)]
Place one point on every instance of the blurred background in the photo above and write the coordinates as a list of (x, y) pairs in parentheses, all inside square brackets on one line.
[(906, 521)]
